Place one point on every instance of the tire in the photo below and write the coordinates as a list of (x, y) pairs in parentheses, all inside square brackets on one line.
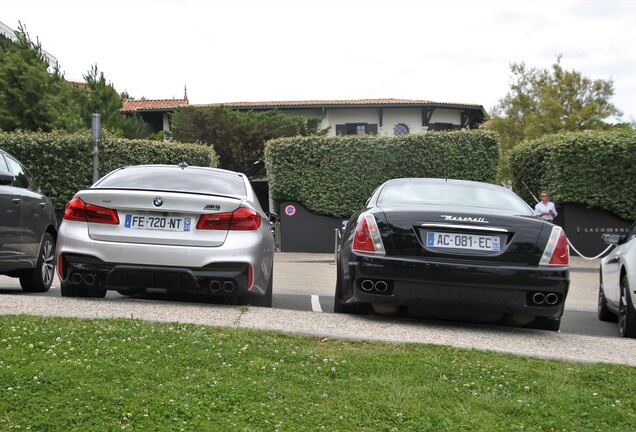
[(129, 291), (604, 314), (626, 312), (340, 307), (69, 290), (265, 300), (40, 278), (544, 323)]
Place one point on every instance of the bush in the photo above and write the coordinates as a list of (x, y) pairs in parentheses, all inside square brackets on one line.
[(62, 162), (596, 169), (333, 176)]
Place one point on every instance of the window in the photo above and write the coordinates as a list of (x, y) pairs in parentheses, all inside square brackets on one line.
[(357, 129), (22, 177), (3, 164), (400, 129), (441, 126)]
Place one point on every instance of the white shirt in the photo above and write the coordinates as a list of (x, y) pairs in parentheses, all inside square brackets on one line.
[(540, 208)]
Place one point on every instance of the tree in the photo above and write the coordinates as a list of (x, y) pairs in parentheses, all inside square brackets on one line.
[(102, 98), (542, 101), (238, 137), (35, 96), (31, 96)]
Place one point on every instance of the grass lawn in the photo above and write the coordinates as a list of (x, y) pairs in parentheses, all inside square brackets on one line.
[(61, 374)]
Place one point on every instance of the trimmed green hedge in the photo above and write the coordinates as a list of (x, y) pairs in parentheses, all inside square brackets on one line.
[(333, 176), (62, 163), (597, 169)]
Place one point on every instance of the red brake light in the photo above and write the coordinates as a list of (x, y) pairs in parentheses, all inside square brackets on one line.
[(241, 219), (78, 210), (366, 237), (557, 251)]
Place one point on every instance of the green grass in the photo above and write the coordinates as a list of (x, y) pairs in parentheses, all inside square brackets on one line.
[(59, 374)]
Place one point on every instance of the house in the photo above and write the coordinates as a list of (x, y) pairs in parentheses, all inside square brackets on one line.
[(7, 32), (340, 117), (155, 112)]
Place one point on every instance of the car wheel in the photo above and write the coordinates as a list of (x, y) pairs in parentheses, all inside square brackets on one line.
[(129, 291), (39, 279), (544, 323), (604, 314), (626, 312), (69, 290), (262, 300)]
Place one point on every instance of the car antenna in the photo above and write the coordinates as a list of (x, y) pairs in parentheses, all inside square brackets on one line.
[(183, 165), (535, 198)]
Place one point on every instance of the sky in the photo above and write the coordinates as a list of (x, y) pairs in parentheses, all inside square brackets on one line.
[(451, 51)]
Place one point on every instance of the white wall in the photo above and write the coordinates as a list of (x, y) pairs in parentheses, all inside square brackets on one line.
[(446, 116), (412, 117)]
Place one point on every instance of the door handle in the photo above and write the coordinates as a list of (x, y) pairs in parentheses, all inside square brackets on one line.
[(16, 201), (43, 204)]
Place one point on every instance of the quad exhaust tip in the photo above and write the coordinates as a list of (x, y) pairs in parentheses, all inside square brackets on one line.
[(379, 286), (216, 286), (87, 279), (540, 298)]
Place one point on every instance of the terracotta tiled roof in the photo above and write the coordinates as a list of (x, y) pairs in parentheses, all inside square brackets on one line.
[(332, 103), (168, 104), (152, 104)]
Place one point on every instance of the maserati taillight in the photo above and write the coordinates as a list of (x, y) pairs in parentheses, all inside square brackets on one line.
[(78, 210), (367, 236), (557, 251), (241, 219)]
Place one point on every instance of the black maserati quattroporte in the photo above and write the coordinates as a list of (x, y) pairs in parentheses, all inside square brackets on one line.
[(454, 250)]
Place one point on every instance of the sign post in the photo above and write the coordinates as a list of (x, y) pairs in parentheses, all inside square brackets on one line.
[(95, 123)]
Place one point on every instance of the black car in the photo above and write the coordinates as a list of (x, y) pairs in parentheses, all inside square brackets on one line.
[(28, 227), (452, 249)]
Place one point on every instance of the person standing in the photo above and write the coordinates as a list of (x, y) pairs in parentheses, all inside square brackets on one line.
[(545, 208)]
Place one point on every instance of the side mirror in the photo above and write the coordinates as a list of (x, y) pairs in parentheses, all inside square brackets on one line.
[(273, 217), (6, 178), (612, 239)]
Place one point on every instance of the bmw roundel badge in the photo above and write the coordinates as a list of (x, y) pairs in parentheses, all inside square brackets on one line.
[(158, 201)]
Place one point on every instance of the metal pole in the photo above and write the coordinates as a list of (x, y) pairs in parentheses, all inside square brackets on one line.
[(95, 123)]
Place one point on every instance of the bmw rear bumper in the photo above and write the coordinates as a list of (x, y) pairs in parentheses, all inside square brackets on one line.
[(227, 279), (435, 286), (242, 265)]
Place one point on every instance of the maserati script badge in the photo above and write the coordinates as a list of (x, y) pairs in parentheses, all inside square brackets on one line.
[(464, 219)]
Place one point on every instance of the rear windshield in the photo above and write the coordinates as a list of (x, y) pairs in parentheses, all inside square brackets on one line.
[(175, 179), (449, 194)]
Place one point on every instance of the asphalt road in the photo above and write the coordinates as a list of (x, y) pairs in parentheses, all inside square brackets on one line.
[(305, 282)]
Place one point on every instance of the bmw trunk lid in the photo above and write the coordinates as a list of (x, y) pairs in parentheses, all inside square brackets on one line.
[(152, 217)]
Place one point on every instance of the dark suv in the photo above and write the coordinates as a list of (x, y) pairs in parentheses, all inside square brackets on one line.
[(28, 227)]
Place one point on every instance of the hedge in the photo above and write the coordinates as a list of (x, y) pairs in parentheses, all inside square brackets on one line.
[(596, 169), (62, 163), (333, 176)]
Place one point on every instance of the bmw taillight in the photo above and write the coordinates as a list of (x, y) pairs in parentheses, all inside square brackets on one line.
[(366, 237), (241, 219), (78, 210), (557, 251)]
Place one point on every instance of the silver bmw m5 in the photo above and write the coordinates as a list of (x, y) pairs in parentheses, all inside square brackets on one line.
[(165, 228)]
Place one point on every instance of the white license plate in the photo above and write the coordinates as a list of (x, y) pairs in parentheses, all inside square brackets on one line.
[(463, 241), (157, 223)]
